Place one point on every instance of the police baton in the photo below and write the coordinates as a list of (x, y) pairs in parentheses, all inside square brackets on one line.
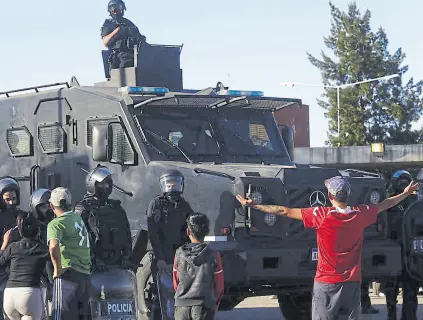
[(130, 194)]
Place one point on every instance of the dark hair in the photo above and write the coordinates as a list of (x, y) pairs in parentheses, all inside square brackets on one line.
[(28, 226), (64, 206), (341, 197), (198, 225)]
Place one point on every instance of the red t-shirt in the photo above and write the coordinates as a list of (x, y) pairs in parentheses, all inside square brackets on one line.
[(339, 240)]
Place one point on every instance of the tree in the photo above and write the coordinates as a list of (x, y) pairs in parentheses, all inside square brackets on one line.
[(375, 111)]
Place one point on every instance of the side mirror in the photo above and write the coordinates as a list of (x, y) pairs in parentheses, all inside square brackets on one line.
[(100, 142), (288, 138)]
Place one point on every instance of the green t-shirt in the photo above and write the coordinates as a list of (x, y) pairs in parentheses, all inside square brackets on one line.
[(69, 229)]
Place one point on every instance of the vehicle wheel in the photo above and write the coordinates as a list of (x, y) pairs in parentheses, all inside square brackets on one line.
[(295, 307), (229, 302), (145, 288)]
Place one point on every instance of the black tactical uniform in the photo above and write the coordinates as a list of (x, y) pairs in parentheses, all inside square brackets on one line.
[(39, 206), (9, 213), (410, 287), (166, 218), (106, 222), (122, 44), (167, 223)]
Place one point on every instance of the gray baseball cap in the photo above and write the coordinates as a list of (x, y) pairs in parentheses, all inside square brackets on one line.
[(338, 186)]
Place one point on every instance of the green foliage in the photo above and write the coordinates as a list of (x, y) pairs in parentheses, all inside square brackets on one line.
[(374, 111)]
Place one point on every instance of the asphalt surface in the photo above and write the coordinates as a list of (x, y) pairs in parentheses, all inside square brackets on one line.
[(266, 308)]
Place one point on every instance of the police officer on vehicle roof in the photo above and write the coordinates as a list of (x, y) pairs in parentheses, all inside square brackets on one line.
[(120, 36), (410, 287), (106, 221), (9, 212), (166, 218)]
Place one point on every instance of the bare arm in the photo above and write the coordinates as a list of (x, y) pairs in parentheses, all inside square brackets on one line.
[(55, 257), (393, 201), (293, 213), (106, 39)]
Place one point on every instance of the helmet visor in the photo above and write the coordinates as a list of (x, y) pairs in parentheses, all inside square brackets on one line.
[(171, 184), (116, 8)]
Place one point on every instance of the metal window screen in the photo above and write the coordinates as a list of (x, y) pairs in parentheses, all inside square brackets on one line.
[(19, 141), (90, 124), (121, 151), (51, 138)]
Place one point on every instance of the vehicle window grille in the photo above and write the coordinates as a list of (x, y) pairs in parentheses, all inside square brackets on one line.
[(122, 151), (91, 123), (52, 138), (19, 141)]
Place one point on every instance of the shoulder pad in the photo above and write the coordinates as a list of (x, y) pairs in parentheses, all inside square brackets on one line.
[(114, 202), (79, 208)]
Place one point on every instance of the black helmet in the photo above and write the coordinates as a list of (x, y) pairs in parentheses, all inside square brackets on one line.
[(400, 180), (9, 184), (99, 175), (178, 182), (37, 199), (116, 8)]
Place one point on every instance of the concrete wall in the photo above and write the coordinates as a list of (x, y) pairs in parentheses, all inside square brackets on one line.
[(361, 157)]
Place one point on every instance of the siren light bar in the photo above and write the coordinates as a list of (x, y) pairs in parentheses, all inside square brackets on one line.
[(143, 90), (242, 93)]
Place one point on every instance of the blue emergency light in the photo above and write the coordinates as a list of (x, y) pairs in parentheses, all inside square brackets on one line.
[(145, 90), (245, 93)]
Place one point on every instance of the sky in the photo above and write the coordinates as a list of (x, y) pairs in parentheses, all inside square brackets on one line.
[(248, 45)]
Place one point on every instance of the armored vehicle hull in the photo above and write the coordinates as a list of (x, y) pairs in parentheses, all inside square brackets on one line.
[(224, 143)]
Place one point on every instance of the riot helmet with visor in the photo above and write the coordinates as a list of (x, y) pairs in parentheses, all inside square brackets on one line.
[(99, 182), (172, 184)]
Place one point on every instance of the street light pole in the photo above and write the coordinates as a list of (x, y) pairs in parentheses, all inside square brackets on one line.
[(339, 108), (291, 84)]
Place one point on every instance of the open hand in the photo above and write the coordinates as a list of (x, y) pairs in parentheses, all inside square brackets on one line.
[(413, 186), (245, 202)]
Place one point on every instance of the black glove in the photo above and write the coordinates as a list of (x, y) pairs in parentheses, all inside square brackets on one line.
[(126, 264), (99, 265)]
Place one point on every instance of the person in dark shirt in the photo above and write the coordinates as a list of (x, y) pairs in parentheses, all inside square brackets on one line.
[(9, 212), (120, 36), (197, 274), (28, 260), (166, 218)]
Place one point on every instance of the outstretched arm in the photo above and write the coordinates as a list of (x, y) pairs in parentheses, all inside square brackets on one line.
[(393, 201), (293, 213)]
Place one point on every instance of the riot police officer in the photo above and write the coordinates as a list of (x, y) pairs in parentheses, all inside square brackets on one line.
[(166, 218), (120, 36), (39, 206), (106, 222), (410, 287), (9, 212)]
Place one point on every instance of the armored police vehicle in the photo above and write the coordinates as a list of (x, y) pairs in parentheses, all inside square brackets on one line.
[(140, 122)]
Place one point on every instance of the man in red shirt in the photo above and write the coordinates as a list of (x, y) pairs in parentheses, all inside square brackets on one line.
[(336, 290)]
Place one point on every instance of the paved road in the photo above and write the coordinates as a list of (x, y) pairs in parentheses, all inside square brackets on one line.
[(266, 308)]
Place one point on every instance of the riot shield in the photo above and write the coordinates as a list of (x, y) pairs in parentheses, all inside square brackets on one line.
[(413, 240), (113, 294), (166, 294)]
